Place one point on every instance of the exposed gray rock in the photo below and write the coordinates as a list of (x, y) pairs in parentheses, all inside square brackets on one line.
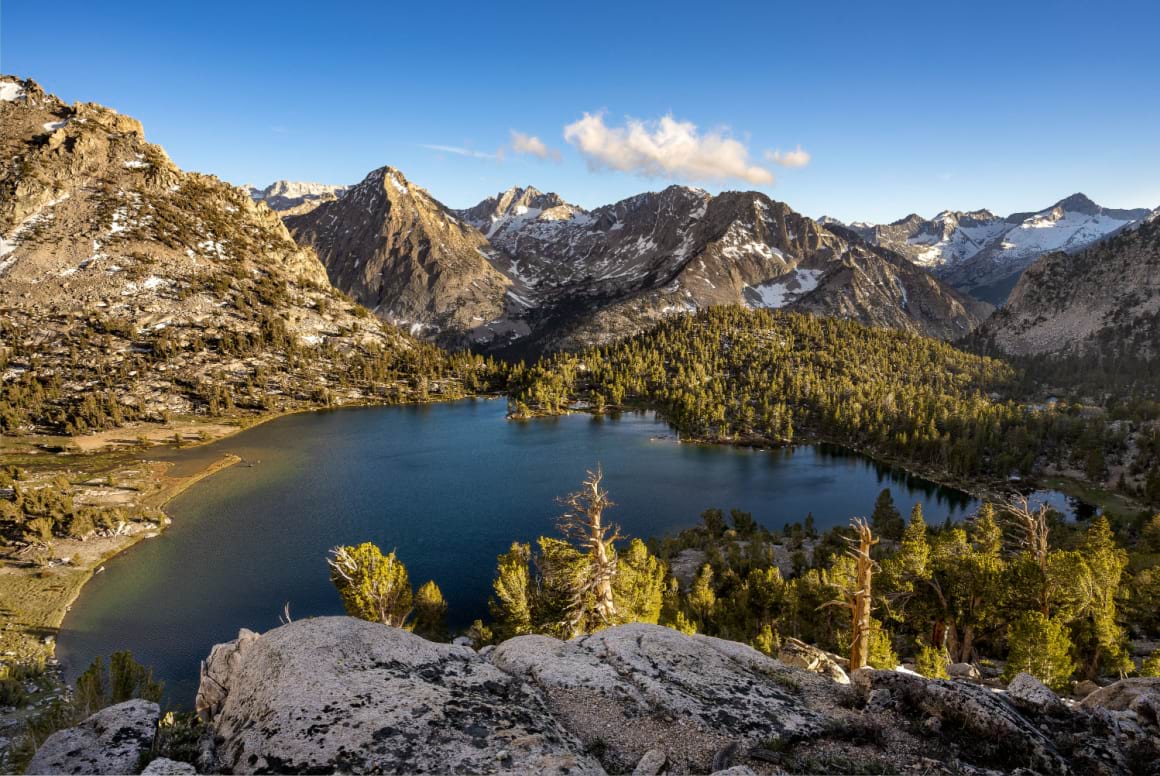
[(216, 670), (639, 687), (802, 655), (1138, 694), (111, 741), (720, 685), (686, 565), (335, 693), (978, 710), (1028, 692), (341, 695), (1085, 688), (963, 671), (163, 766), (652, 763)]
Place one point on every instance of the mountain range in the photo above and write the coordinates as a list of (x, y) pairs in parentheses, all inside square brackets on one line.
[(1103, 300), (114, 261), (525, 271), (983, 254), (293, 197)]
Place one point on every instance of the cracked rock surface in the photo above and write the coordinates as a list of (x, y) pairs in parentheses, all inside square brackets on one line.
[(335, 694)]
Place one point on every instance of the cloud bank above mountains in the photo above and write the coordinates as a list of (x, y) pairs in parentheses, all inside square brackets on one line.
[(667, 148)]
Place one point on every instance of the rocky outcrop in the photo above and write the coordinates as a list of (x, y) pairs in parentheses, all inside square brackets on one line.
[(336, 693), (1025, 731), (801, 655), (1028, 692), (163, 766), (339, 694), (114, 740), (140, 289), (640, 687), (1139, 695)]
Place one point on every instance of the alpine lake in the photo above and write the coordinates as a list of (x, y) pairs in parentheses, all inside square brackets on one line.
[(449, 487)]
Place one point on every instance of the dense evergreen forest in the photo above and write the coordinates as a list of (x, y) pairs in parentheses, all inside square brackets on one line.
[(1013, 588), (755, 376)]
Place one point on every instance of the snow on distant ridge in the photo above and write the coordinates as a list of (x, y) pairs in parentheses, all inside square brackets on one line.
[(10, 91), (778, 293)]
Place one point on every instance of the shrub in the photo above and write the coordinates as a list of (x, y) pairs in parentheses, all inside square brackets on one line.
[(931, 662), (1040, 646)]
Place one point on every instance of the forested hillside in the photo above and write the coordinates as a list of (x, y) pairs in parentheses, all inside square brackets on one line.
[(730, 374)]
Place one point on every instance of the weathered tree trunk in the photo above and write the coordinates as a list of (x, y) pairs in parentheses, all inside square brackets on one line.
[(1032, 533), (584, 522), (603, 567), (864, 571), (966, 646)]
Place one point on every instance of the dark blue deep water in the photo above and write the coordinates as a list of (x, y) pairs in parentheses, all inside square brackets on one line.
[(448, 486)]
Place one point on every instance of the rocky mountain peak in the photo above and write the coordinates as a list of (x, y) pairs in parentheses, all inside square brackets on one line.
[(1104, 298), (155, 289), (294, 197), (983, 254), (1078, 203), (401, 253)]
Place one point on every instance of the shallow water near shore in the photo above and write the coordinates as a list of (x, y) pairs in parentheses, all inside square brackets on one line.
[(449, 486)]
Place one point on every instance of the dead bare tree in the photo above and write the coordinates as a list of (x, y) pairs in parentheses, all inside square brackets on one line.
[(583, 523), (864, 567), (1028, 532), (856, 594)]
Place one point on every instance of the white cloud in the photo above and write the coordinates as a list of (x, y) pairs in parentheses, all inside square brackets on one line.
[(663, 148), (794, 158), (533, 146), (458, 151)]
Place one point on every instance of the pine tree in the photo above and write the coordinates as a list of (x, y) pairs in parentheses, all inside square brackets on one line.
[(1102, 640), (886, 520), (430, 612), (583, 521), (932, 662), (639, 585), (1039, 645), (373, 586), (767, 641), (702, 599), (510, 604)]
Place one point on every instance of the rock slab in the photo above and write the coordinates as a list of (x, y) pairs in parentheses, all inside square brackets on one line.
[(334, 693), (113, 740)]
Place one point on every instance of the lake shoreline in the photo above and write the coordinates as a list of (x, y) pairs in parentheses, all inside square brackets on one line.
[(994, 491), (18, 579), (170, 487)]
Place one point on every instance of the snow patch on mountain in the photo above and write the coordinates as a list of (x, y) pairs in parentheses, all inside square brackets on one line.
[(780, 292), (10, 91)]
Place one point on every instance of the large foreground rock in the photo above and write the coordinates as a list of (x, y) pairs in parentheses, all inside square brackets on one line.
[(114, 740), (640, 687), (341, 695), (1140, 695), (334, 693)]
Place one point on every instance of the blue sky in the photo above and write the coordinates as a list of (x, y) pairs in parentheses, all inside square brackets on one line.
[(918, 108)]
